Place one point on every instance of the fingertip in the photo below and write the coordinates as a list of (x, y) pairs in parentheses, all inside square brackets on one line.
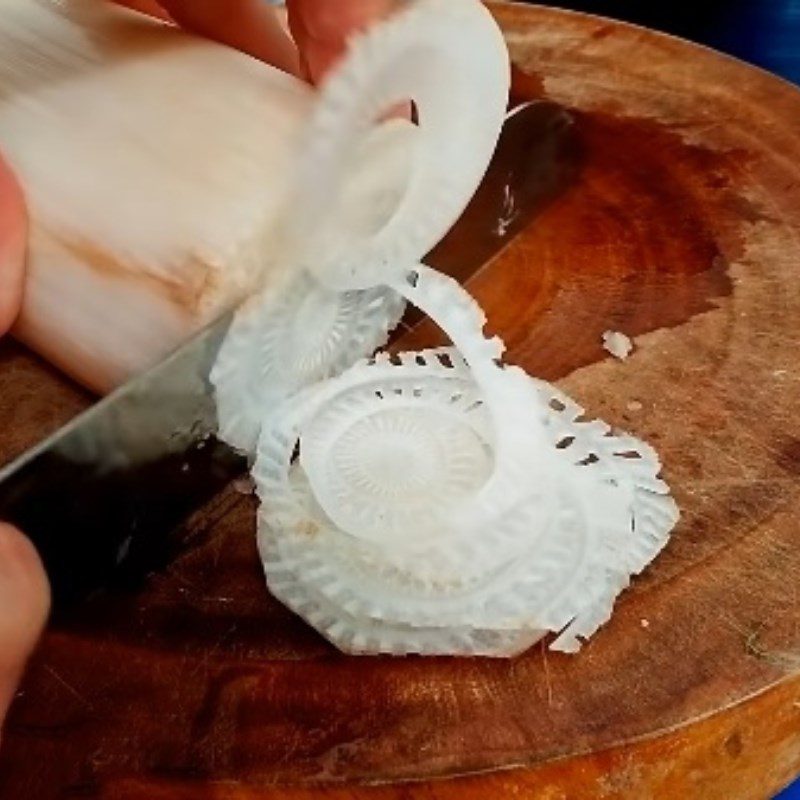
[(149, 7), (336, 21), (322, 29), (24, 604), (22, 572)]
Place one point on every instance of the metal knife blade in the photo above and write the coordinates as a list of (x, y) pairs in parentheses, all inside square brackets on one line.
[(102, 494)]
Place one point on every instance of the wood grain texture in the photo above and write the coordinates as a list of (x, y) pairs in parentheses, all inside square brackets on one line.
[(680, 226)]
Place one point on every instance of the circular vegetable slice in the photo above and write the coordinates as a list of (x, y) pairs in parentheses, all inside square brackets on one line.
[(450, 59), (287, 339), (535, 567)]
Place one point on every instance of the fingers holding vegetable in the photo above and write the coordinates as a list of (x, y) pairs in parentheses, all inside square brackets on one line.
[(322, 28), (248, 25)]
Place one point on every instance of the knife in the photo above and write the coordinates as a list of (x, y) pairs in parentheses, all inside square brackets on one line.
[(103, 493), (100, 497)]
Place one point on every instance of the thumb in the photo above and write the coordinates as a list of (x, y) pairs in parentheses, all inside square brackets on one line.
[(24, 603)]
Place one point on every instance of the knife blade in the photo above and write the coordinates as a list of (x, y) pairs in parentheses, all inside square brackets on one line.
[(103, 493), (101, 496)]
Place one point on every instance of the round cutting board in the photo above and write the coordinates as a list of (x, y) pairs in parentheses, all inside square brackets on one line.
[(676, 221)]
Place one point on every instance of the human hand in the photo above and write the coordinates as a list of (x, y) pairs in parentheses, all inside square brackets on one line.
[(24, 602), (320, 28)]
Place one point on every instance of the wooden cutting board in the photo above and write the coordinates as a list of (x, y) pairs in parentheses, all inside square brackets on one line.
[(677, 223)]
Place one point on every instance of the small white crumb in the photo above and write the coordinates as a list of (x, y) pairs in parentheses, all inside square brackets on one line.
[(645, 623), (618, 344), (779, 373), (244, 485), (634, 405)]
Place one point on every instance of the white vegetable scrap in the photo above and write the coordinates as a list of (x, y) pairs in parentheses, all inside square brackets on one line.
[(439, 502), (618, 344)]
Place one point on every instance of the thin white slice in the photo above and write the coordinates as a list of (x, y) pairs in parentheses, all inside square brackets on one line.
[(364, 636), (285, 340), (449, 57), (298, 331), (611, 518)]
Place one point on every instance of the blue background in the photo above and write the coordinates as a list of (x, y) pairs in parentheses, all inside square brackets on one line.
[(763, 32)]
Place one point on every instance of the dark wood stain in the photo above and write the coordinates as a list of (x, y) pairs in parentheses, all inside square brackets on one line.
[(734, 745), (622, 236), (788, 458), (536, 159), (525, 85)]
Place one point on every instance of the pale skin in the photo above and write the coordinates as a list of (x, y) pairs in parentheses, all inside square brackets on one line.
[(320, 29)]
